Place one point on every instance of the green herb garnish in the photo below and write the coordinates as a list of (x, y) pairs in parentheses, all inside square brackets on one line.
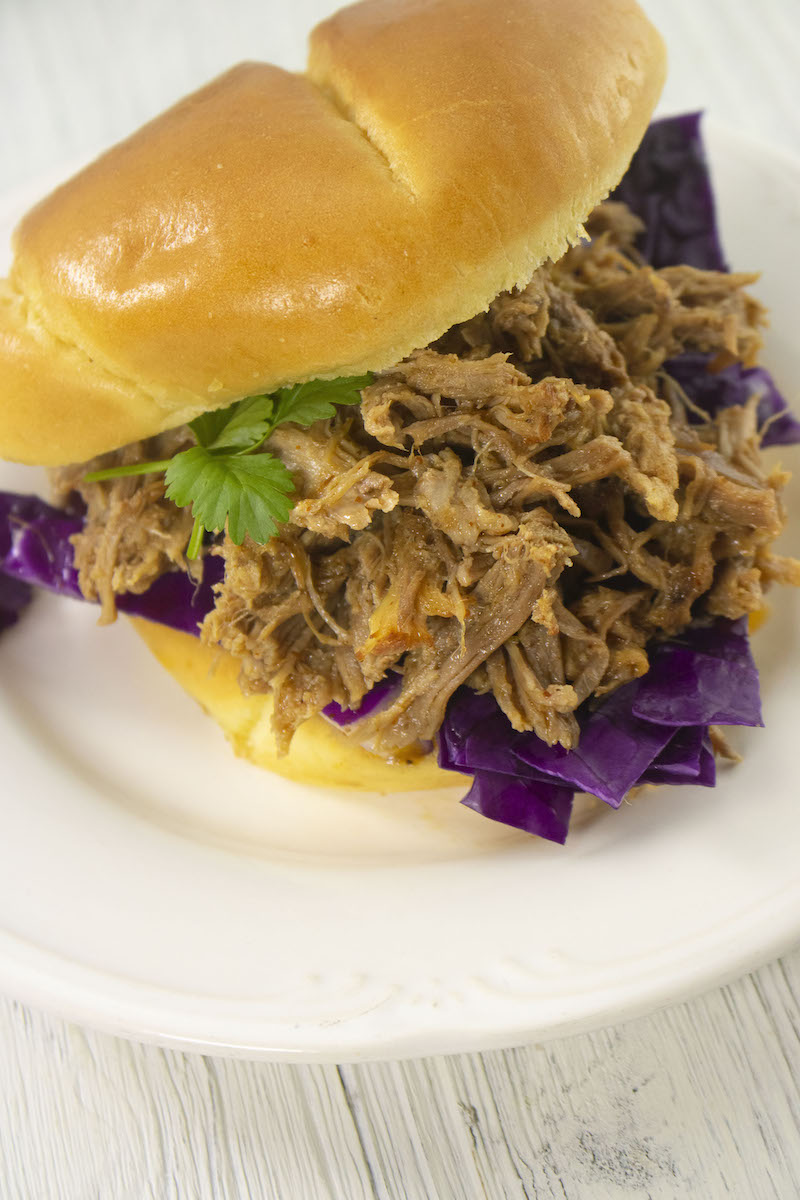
[(226, 477)]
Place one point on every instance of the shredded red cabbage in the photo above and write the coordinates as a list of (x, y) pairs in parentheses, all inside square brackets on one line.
[(734, 385), (685, 759), (35, 548), (668, 186), (34, 543), (382, 693), (706, 676), (507, 799), (654, 730)]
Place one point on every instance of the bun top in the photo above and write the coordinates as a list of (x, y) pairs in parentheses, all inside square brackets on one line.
[(273, 227)]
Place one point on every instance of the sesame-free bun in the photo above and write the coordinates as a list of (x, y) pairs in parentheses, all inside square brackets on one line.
[(319, 753), (275, 227)]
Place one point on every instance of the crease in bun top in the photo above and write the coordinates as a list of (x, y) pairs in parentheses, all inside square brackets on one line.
[(274, 227), (336, 344)]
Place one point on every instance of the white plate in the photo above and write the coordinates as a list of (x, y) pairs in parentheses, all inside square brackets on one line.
[(152, 886)]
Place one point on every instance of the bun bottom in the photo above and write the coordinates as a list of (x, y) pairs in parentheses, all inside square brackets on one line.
[(319, 754)]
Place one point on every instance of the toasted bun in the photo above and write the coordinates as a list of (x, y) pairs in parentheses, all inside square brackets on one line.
[(275, 227), (320, 753)]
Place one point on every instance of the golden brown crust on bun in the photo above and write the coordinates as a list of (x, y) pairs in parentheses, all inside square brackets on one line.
[(273, 227), (53, 396), (319, 754)]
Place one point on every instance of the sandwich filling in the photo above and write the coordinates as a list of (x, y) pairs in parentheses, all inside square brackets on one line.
[(535, 543), (524, 507)]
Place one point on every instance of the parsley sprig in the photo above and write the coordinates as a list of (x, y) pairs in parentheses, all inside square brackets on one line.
[(227, 477)]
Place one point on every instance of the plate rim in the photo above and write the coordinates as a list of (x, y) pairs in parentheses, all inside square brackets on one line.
[(140, 1019)]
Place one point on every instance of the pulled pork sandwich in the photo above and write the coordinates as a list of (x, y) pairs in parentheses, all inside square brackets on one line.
[(354, 374)]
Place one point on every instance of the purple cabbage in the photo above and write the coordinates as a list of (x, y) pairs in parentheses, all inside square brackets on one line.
[(507, 799), (734, 385), (679, 761), (36, 548), (687, 758), (35, 543), (615, 748), (633, 736), (381, 694), (668, 186), (175, 599), (704, 677), (654, 730), (707, 773)]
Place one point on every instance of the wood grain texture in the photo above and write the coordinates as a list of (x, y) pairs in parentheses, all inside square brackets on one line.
[(700, 1100)]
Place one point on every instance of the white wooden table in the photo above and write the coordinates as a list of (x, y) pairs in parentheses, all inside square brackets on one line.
[(699, 1100)]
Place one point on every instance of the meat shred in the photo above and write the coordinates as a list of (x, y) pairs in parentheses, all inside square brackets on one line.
[(523, 506), (132, 533)]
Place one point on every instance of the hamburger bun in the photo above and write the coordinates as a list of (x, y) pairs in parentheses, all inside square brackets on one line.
[(273, 227), (320, 753)]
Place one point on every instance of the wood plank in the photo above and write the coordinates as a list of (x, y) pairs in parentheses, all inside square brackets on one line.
[(85, 1115), (700, 1099)]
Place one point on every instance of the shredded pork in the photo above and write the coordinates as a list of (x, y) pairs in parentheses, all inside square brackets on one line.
[(132, 534), (522, 507)]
